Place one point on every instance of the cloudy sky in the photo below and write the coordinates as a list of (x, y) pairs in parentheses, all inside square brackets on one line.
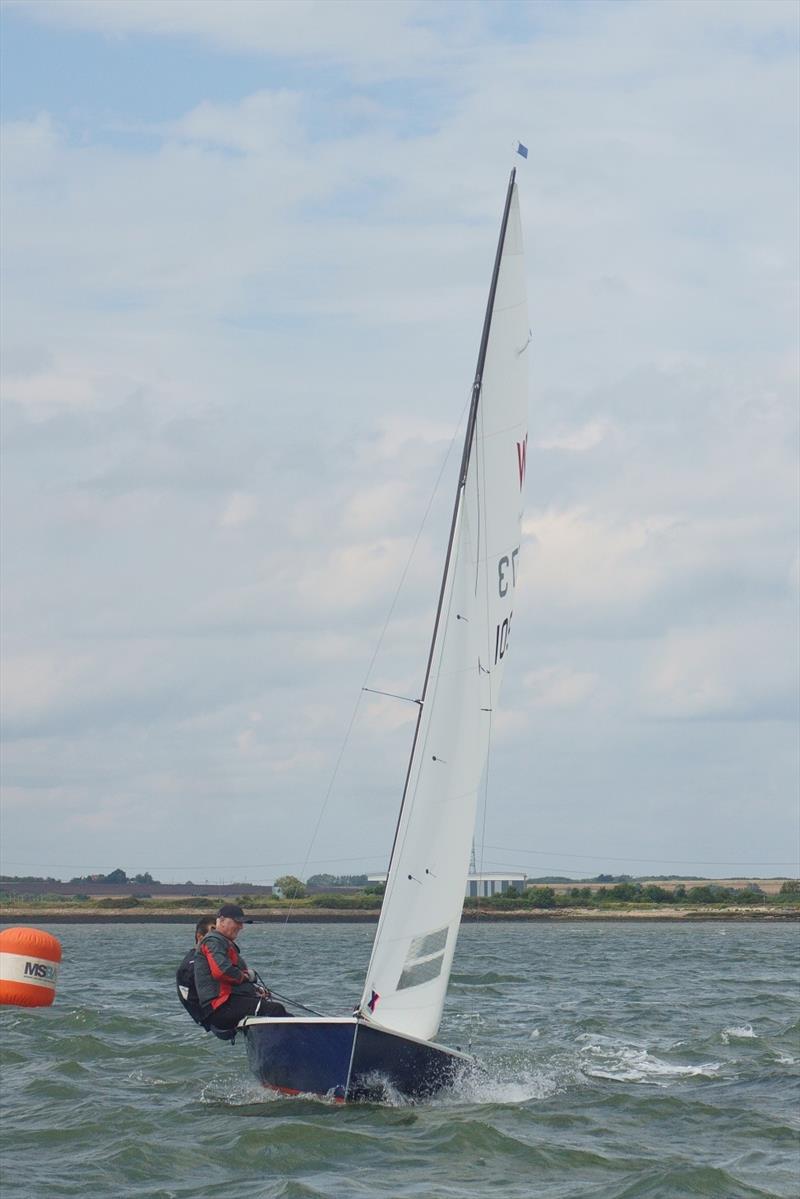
[(246, 252)]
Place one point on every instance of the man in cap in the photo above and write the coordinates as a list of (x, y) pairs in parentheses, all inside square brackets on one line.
[(226, 988)]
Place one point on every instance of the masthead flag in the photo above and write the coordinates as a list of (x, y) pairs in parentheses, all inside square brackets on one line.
[(523, 150)]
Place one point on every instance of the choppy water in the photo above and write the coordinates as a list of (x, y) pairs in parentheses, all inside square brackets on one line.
[(623, 1062)]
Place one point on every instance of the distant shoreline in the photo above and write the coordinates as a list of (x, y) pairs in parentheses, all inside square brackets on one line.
[(743, 915)]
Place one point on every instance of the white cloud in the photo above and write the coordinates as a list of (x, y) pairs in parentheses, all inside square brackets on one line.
[(585, 437), (66, 385), (31, 149), (33, 682), (377, 508), (740, 670), (239, 509), (387, 34), (352, 577), (580, 562), (237, 341), (558, 686), (263, 123)]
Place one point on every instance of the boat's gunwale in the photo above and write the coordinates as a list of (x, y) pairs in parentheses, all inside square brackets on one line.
[(253, 1021), (249, 1021)]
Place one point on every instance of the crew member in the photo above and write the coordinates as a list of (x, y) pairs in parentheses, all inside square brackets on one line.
[(227, 989), (184, 976)]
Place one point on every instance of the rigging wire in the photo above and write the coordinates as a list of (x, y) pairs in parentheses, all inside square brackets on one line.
[(652, 861), (286, 998), (546, 853), (392, 695), (376, 651)]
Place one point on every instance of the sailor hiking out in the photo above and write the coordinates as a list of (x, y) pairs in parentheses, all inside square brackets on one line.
[(227, 989), (184, 975)]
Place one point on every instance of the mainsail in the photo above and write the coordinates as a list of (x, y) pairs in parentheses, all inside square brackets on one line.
[(416, 936)]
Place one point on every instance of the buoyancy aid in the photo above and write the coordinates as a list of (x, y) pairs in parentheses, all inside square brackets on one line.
[(219, 968), (187, 991)]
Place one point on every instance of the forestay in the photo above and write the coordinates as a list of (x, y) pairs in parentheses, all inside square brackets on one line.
[(416, 937)]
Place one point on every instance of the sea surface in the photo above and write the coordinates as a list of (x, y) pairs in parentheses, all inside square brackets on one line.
[(621, 1062)]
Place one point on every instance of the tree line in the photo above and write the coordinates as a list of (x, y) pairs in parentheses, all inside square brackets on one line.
[(633, 892)]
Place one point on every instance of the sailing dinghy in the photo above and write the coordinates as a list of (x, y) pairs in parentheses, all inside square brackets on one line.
[(389, 1040)]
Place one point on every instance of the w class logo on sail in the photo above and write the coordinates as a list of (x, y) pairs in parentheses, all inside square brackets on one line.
[(522, 459)]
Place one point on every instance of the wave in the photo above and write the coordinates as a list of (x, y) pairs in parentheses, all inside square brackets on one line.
[(738, 1032), (234, 1091), (489, 1088), (619, 1062), (486, 979)]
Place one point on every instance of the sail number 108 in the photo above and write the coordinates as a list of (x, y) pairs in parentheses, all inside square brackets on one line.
[(501, 638)]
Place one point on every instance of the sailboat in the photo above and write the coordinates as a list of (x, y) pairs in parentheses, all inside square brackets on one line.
[(389, 1039)]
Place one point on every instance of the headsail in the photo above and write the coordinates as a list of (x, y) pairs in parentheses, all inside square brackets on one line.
[(416, 937)]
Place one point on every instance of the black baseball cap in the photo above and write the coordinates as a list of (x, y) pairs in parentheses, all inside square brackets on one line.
[(234, 912)]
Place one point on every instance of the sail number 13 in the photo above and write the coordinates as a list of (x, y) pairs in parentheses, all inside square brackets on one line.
[(507, 572)]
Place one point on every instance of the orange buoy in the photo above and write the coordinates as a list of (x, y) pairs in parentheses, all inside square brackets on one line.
[(28, 967)]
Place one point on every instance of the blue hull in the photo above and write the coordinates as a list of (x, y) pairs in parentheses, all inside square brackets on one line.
[(346, 1059)]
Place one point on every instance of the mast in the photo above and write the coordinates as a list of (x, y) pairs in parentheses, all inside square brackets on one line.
[(462, 477), (412, 953)]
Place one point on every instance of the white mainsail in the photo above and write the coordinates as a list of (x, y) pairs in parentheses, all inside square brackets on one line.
[(416, 936)]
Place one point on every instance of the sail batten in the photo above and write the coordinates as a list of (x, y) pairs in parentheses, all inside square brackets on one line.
[(416, 936)]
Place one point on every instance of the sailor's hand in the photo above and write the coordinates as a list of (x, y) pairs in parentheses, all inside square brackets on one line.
[(262, 991)]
